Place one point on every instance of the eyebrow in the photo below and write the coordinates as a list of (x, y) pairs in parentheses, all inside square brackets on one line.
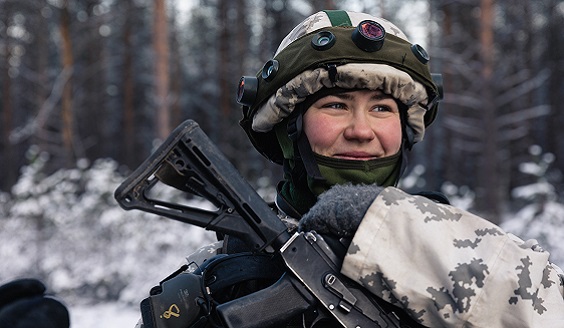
[(377, 96)]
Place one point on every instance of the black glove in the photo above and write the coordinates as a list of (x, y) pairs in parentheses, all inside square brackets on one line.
[(339, 210), (23, 304)]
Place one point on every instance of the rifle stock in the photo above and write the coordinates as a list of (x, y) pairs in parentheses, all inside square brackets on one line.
[(190, 162)]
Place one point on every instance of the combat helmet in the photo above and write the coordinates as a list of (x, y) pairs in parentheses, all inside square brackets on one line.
[(335, 49)]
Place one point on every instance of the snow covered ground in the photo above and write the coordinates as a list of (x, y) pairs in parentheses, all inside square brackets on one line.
[(108, 315), (67, 230)]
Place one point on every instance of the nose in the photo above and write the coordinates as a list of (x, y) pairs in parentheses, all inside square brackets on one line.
[(359, 128)]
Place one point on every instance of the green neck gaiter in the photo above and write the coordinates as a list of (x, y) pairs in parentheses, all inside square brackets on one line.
[(302, 196), (382, 171)]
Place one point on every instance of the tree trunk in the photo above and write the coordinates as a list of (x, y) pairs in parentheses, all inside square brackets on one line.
[(128, 90), (7, 111), (160, 44), (41, 48), (67, 114), (176, 73), (488, 173), (223, 71)]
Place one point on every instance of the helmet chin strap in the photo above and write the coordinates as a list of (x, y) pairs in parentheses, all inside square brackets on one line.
[(408, 138), (303, 152)]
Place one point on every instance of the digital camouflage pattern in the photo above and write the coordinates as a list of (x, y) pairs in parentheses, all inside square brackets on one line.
[(390, 80), (450, 268)]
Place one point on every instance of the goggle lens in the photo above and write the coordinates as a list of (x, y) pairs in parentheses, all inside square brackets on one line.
[(371, 30), (369, 36)]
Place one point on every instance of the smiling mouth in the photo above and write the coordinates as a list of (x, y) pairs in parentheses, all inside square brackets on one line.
[(359, 156)]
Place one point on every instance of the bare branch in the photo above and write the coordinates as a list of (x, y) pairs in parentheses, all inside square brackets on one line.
[(463, 126), (522, 115), (33, 125), (522, 89)]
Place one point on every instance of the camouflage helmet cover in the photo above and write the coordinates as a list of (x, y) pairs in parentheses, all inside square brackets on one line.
[(301, 70)]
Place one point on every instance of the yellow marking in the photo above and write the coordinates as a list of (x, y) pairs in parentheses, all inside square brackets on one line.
[(173, 311)]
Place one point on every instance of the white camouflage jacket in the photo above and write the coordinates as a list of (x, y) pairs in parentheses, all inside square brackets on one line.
[(451, 268), (448, 267)]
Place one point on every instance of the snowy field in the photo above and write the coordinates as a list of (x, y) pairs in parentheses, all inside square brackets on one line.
[(110, 315), (67, 230)]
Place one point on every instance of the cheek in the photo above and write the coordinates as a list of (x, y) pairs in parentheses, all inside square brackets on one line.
[(320, 130), (390, 135)]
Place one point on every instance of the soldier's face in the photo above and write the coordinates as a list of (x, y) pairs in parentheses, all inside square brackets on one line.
[(355, 125)]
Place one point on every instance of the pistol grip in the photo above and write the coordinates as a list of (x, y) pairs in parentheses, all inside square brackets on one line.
[(268, 307)]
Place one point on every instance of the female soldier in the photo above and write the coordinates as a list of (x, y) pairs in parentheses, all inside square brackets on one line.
[(343, 100)]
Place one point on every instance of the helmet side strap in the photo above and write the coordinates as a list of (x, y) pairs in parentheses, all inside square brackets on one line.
[(302, 149)]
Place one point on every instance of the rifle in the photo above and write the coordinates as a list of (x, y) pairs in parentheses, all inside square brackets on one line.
[(189, 161)]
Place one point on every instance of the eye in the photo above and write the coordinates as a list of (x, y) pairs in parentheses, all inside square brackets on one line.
[(382, 108), (335, 105)]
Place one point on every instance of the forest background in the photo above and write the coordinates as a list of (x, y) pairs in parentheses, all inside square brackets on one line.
[(88, 88)]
